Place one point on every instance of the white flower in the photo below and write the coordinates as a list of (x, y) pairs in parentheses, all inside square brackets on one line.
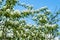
[(25, 35), (54, 25), (48, 25), (48, 36), (11, 12), (16, 22), (1, 22), (33, 34), (48, 11), (4, 17), (29, 36), (45, 19), (29, 25), (32, 11), (26, 30), (40, 18), (17, 33), (26, 11), (21, 24), (8, 10), (16, 11), (9, 33), (7, 19)]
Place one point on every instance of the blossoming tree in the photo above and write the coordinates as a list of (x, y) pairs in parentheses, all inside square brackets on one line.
[(14, 27)]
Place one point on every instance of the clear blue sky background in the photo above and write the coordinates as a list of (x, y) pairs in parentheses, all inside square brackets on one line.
[(51, 4)]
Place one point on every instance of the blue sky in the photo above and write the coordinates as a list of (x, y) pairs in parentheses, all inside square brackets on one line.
[(51, 4)]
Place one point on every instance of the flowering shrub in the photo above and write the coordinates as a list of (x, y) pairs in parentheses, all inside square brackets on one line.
[(12, 27)]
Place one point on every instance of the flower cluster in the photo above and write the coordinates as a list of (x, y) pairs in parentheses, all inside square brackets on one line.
[(13, 25)]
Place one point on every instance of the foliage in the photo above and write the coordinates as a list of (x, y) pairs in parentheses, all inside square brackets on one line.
[(14, 27)]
